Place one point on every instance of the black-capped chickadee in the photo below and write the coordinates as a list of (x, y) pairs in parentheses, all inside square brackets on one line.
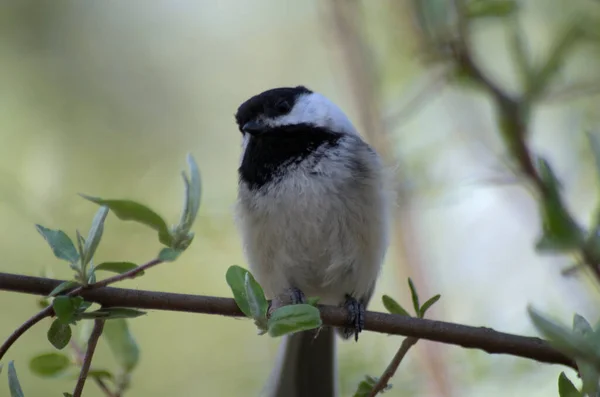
[(313, 211)]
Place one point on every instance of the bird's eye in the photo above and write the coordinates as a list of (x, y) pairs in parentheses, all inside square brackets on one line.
[(283, 107)]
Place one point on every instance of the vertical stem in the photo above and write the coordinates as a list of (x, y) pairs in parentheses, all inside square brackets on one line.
[(87, 360), (393, 366)]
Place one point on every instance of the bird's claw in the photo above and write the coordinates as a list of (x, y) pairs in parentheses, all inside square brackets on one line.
[(297, 296), (356, 317)]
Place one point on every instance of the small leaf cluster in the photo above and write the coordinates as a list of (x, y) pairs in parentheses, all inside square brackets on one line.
[(395, 308), (121, 343), (581, 343), (251, 300), (69, 308), (80, 258)]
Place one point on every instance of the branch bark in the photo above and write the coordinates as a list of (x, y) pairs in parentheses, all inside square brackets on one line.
[(49, 311), (393, 366), (89, 354), (79, 358), (481, 338), (33, 320)]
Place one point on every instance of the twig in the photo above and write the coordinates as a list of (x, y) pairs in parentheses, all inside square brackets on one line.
[(513, 113), (49, 311), (393, 366), (130, 274), (486, 339), (87, 360), (395, 118), (573, 92), (80, 355)]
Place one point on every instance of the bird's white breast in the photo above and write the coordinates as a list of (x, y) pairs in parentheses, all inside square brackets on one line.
[(320, 230)]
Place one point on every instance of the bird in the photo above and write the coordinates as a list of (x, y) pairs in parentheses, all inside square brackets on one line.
[(313, 214)]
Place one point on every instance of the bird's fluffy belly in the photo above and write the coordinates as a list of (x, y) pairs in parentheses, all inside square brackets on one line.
[(311, 242)]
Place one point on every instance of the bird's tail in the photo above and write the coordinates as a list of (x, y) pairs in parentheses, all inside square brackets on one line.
[(305, 366)]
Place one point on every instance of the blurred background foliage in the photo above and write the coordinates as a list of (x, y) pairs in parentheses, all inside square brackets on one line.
[(106, 98)]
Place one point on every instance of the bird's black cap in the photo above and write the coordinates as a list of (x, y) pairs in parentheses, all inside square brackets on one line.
[(270, 104)]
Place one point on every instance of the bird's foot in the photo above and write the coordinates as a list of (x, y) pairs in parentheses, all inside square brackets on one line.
[(356, 318), (296, 296)]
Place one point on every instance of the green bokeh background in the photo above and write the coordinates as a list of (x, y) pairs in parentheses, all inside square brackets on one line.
[(107, 98)]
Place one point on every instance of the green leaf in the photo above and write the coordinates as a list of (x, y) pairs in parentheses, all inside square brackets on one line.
[(91, 271), (122, 344), (570, 343), (92, 373), (364, 389), (128, 210), (110, 313), (94, 235), (581, 325), (43, 303), (293, 318), (192, 196), (595, 146), (65, 307), (566, 388), (118, 267), (13, 381), (491, 8), (366, 386), (195, 188), (428, 304), (59, 334), (61, 244), (392, 306), (64, 286), (169, 254), (414, 296), (84, 306), (80, 243), (589, 374), (560, 231), (256, 298), (101, 374), (589, 377), (235, 278), (49, 364), (312, 300)]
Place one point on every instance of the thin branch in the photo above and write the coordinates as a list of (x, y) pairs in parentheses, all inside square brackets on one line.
[(395, 118), (89, 354), (47, 312), (482, 338), (124, 276), (513, 113), (79, 357), (393, 366), (573, 92)]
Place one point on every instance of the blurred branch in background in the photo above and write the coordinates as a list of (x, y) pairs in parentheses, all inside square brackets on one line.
[(445, 33), (364, 81)]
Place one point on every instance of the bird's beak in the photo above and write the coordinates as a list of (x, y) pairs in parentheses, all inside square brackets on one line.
[(253, 127)]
